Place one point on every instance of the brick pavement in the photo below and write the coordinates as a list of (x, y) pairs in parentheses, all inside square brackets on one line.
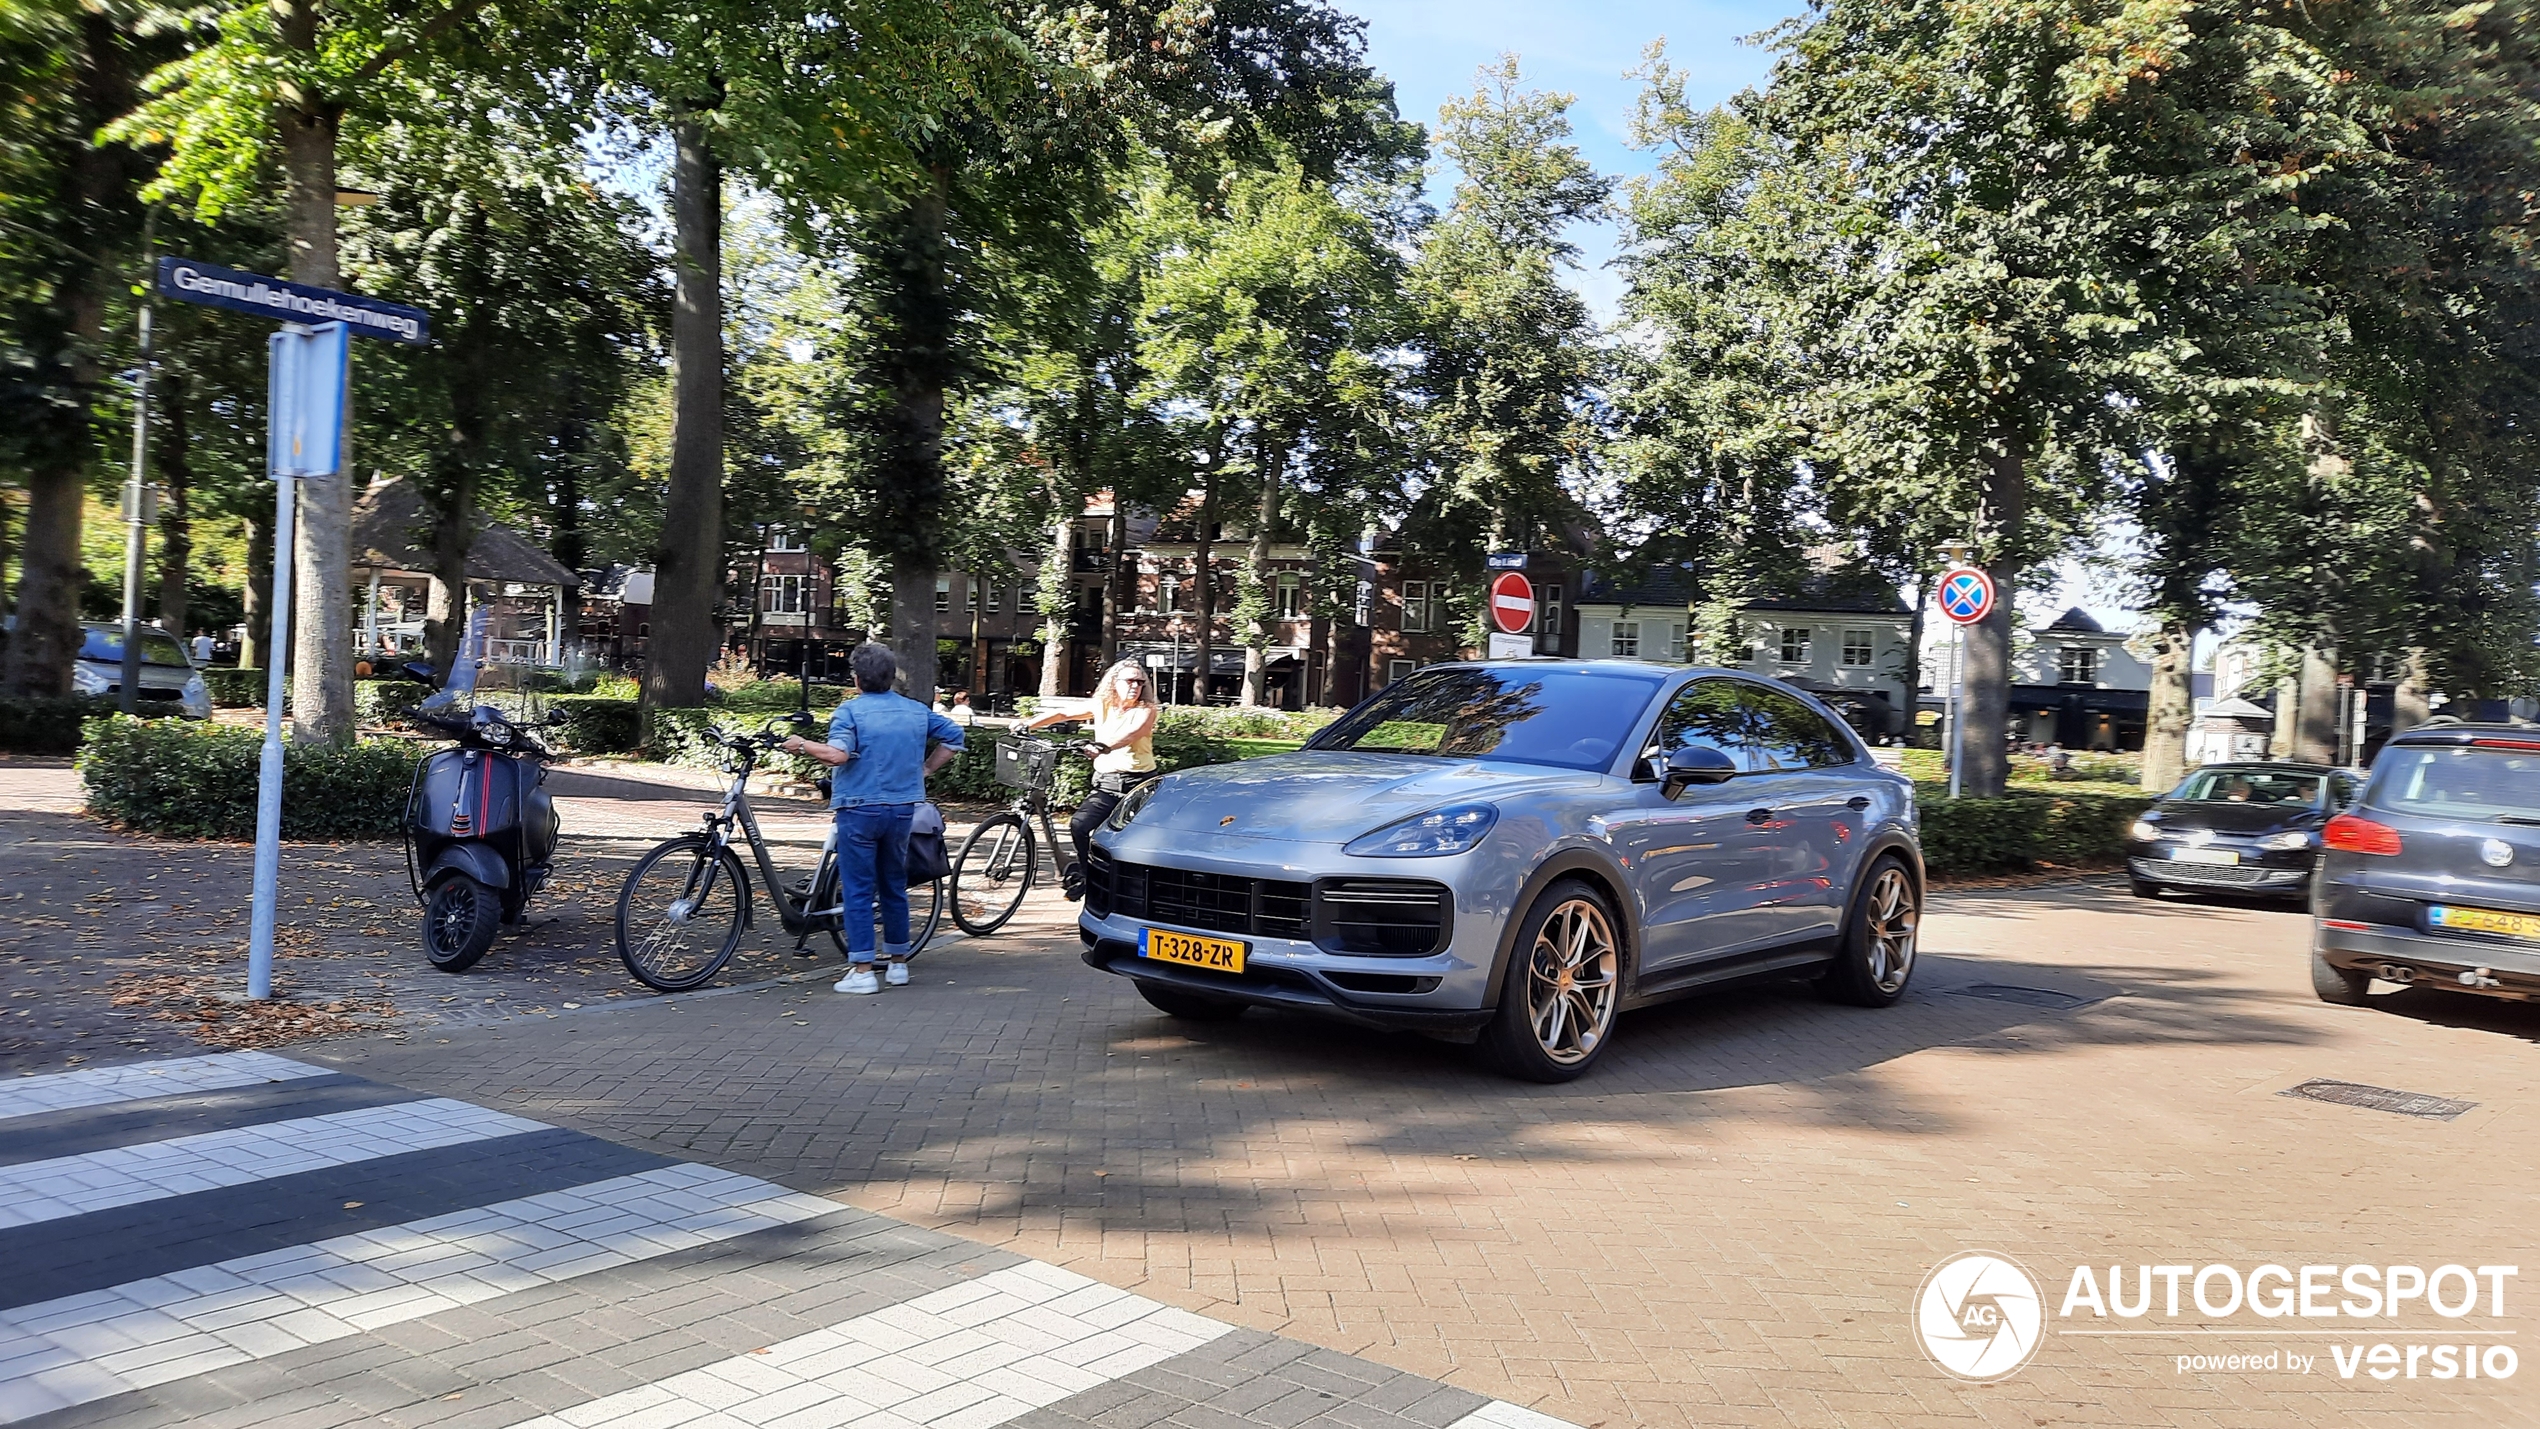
[(569, 1283), (1723, 1226)]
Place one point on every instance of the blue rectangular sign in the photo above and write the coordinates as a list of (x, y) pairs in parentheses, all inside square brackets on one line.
[(190, 281), (1505, 560), (304, 434)]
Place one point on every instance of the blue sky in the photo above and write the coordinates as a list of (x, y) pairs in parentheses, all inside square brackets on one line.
[(1431, 48)]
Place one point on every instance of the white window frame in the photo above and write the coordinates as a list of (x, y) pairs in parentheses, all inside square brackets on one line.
[(780, 539), (1622, 639), (1415, 608), (1548, 624), (2085, 656), (943, 595), (1800, 635), (1396, 669), (1863, 644), (1287, 596), (785, 595), (1168, 592)]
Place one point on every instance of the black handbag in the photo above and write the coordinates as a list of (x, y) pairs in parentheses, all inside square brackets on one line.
[(927, 858)]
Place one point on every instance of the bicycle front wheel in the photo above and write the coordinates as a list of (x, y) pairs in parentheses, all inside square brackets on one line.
[(679, 915), (992, 873)]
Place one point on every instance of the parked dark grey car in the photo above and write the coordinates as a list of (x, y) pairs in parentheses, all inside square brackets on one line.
[(1515, 852), (2433, 878)]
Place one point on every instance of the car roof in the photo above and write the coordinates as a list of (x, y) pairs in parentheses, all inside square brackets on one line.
[(2465, 732)]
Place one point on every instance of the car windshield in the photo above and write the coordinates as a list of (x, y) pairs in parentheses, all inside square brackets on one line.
[(2249, 786), (157, 647), (1571, 717), (2448, 781)]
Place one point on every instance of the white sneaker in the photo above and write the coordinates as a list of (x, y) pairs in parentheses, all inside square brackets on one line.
[(861, 981), (896, 975)]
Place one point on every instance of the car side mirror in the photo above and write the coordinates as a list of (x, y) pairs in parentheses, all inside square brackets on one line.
[(1696, 764)]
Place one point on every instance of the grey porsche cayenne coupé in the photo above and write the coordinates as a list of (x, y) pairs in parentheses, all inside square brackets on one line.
[(1515, 852)]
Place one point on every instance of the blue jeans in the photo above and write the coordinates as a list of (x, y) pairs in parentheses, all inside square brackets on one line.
[(873, 864)]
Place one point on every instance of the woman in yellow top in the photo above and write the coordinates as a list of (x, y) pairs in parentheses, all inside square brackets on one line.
[(1124, 752)]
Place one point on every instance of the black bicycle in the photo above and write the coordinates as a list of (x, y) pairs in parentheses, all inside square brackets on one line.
[(997, 863), (684, 908)]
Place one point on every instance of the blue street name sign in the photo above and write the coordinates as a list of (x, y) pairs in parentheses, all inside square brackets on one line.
[(190, 281), (1505, 560)]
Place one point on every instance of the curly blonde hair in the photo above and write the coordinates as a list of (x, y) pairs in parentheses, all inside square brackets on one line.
[(1108, 699)]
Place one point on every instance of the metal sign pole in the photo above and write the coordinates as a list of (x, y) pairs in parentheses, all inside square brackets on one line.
[(1957, 708), (269, 761), (136, 504)]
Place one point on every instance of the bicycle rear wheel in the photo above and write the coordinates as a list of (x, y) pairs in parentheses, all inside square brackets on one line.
[(679, 915), (992, 873), (925, 911)]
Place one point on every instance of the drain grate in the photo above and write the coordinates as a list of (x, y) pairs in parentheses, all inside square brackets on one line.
[(2025, 996), (2379, 1099)]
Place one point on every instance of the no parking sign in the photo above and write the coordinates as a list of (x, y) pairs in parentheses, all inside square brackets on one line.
[(1966, 595)]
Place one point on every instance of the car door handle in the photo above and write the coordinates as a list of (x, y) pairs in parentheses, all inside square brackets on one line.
[(1857, 802), (1759, 816)]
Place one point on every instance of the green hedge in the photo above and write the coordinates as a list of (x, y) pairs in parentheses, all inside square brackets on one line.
[(235, 689), (390, 701), (973, 774), (54, 726), (2024, 829), (594, 724), (190, 780)]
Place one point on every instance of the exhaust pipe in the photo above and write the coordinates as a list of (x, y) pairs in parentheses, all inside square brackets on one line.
[(2480, 977), (2395, 972)]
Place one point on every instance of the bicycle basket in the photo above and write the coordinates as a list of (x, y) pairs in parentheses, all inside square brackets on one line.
[(1026, 766)]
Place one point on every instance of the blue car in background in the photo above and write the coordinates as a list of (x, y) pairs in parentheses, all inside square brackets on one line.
[(1514, 853)]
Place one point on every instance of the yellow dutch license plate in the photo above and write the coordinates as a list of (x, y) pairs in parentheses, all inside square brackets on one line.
[(1220, 955), (2484, 920)]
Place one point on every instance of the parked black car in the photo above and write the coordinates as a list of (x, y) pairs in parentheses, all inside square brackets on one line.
[(2433, 879), (2237, 828)]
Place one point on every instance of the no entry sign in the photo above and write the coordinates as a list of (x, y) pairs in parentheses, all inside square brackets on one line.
[(1512, 603), (1966, 595)]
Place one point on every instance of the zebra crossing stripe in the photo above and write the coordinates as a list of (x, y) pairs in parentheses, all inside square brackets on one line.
[(35, 1191), (1500, 1414), (976, 1354), (86, 1347), (172, 1076)]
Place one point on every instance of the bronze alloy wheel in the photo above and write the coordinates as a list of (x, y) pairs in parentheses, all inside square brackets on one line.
[(1571, 981), (1893, 919)]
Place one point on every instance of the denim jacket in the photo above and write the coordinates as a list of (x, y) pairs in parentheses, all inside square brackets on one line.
[(888, 733)]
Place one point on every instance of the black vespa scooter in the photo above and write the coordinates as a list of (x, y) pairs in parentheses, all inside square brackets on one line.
[(481, 828)]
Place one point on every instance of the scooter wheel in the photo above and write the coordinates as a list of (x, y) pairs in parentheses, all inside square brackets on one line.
[(460, 916)]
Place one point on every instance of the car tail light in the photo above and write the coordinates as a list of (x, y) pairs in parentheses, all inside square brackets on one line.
[(2504, 744), (2349, 834)]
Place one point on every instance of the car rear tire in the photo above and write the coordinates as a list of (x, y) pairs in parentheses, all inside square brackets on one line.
[(1879, 941), (1563, 988), (1189, 1006), (2336, 984), (2144, 889)]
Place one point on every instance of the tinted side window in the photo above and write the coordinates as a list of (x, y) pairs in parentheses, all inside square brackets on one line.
[(1789, 735), (1706, 712)]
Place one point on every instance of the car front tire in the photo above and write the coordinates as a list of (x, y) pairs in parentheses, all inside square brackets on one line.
[(1563, 988), (2143, 888), (1880, 940)]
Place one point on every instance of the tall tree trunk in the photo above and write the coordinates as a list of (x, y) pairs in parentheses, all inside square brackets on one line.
[(453, 532), (2000, 523), (924, 341), (2315, 719), (1273, 457), (1204, 582), (688, 563), (50, 574), (2410, 702), (2173, 701), (1118, 588), (2288, 706), (913, 627), (176, 508), (1053, 596), (321, 581), (255, 603)]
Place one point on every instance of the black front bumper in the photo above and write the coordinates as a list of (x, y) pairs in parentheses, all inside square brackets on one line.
[(1303, 989), (2221, 877)]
